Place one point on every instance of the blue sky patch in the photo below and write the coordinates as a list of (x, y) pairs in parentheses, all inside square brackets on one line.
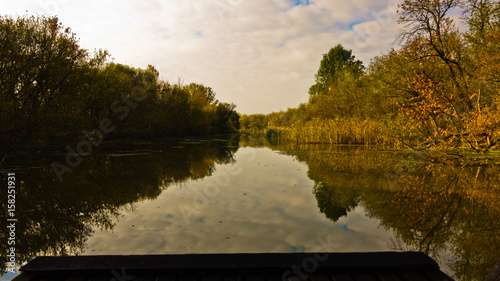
[(346, 228), (280, 45), (351, 26), (300, 2), (199, 34), (9, 275), (297, 250)]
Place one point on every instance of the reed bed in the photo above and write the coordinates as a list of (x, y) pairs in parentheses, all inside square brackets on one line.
[(344, 131)]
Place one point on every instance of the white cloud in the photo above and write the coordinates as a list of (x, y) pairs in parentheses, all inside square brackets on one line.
[(275, 211), (260, 55)]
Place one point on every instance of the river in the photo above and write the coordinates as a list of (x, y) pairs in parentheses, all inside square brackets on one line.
[(233, 195)]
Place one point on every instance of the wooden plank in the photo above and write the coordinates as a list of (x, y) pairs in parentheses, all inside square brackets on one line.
[(342, 277), (99, 278), (274, 277), (437, 275), (242, 261), (211, 277), (232, 278), (187, 278), (413, 276), (165, 278), (364, 277), (77, 278), (25, 277), (389, 277), (259, 277), (242, 267), (319, 277), (142, 278), (54, 277)]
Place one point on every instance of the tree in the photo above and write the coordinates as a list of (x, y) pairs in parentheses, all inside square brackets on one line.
[(482, 16), (226, 118), (39, 59), (432, 33), (51, 91), (446, 98), (335, 62), (209, 94)]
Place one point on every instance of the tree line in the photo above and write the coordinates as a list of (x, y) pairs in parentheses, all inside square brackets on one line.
[(52, 91), (439, 88)]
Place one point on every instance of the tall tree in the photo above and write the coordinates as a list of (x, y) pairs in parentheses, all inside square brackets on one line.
[(338, 60), (446, 100), (431, 31)]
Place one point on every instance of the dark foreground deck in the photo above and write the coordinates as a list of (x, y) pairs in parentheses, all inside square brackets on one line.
[(384, 266)]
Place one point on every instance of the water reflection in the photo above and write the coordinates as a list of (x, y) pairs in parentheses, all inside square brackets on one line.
[(446, 206), (212, 196), (58, 218)]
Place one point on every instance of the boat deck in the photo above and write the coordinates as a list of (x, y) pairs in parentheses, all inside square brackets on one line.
[(380, 266)]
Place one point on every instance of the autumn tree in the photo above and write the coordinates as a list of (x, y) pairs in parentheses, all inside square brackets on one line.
[(443, 99)]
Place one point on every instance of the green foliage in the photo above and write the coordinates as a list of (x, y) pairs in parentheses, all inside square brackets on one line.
[(440, 89), (209, 94), (332, 202), (226, 118), (483, 16), (51, 90), (41, 68), (334, 63), (253, 124)]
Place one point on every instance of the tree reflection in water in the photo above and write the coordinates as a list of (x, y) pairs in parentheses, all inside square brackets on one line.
[(446, 206), (57, 218), (443, 205)]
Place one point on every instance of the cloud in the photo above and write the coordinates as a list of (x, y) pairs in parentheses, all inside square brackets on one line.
[(261, 55), (275, 211)]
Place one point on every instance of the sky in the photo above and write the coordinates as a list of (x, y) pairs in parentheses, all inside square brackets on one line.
[(260, 55)]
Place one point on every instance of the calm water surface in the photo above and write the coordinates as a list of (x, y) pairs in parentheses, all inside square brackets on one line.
[(240, 196)]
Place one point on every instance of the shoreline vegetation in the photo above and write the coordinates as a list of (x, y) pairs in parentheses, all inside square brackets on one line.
[(439, 89), (55, 95)]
